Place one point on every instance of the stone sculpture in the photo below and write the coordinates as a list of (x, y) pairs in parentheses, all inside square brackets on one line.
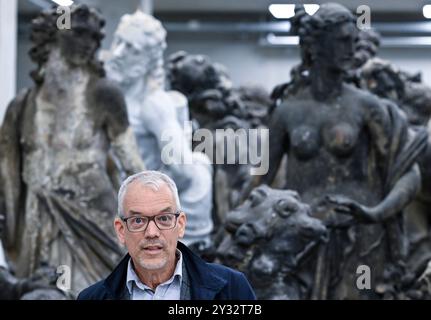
[(273, 239), (414, 99), (216, 104), (58, 144), (350, 154), (211, 94)]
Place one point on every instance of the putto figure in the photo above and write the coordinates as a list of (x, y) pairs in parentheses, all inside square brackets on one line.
[(213, 99), (348, 152), (216, 104), (157, 116), (55, 145)]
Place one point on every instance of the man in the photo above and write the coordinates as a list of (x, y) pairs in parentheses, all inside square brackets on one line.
[(157, 265)]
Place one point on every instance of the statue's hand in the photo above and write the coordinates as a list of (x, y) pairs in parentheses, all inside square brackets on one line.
[(43, 278), (14, 288), (336, 221), (345, 205)]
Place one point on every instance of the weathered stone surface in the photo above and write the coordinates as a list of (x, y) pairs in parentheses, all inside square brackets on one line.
[(56, 142)]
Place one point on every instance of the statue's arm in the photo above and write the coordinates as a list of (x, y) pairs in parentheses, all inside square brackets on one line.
[(10, 167), (408, 185), (111, 107), (278, 142), (403, 192), (160, 117)]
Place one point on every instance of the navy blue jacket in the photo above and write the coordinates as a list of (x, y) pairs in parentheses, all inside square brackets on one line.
[(208, 281)]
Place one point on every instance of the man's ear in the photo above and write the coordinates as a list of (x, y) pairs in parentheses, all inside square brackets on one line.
[(182, 221), (119, 230)]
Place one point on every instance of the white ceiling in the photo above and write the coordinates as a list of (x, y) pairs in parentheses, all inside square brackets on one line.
[(246, 6)]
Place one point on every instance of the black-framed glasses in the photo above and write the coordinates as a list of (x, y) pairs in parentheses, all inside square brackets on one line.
[(163, 221)]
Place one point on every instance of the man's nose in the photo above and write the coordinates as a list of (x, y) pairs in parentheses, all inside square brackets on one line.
[(152, 230)]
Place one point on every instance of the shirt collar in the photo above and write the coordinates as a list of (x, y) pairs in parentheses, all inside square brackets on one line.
[(132, 277)]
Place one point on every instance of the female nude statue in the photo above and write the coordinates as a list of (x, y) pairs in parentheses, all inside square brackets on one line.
[(348, 152)]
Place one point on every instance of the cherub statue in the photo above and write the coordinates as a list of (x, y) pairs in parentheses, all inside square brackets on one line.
[(215, 103), (211, 94)]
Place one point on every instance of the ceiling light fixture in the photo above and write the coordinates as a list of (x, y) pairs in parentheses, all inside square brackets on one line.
[(426, 10), (64, 3), (282, 11), (274, 40), (311, 8)]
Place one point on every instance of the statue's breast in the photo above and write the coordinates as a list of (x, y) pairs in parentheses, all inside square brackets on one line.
[(341, 138), (305, 141)]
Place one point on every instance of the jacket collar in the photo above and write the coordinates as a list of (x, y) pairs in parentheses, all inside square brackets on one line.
[(204, 282)]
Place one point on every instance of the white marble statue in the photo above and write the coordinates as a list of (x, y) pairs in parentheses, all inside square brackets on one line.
[(135, 62), (3, 263)]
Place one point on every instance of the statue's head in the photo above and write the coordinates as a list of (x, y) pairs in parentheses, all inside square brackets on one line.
[(367, 45), (77, 45), (386, 81), (191, 74), (383, 79), (137, 49), (328, 37)]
